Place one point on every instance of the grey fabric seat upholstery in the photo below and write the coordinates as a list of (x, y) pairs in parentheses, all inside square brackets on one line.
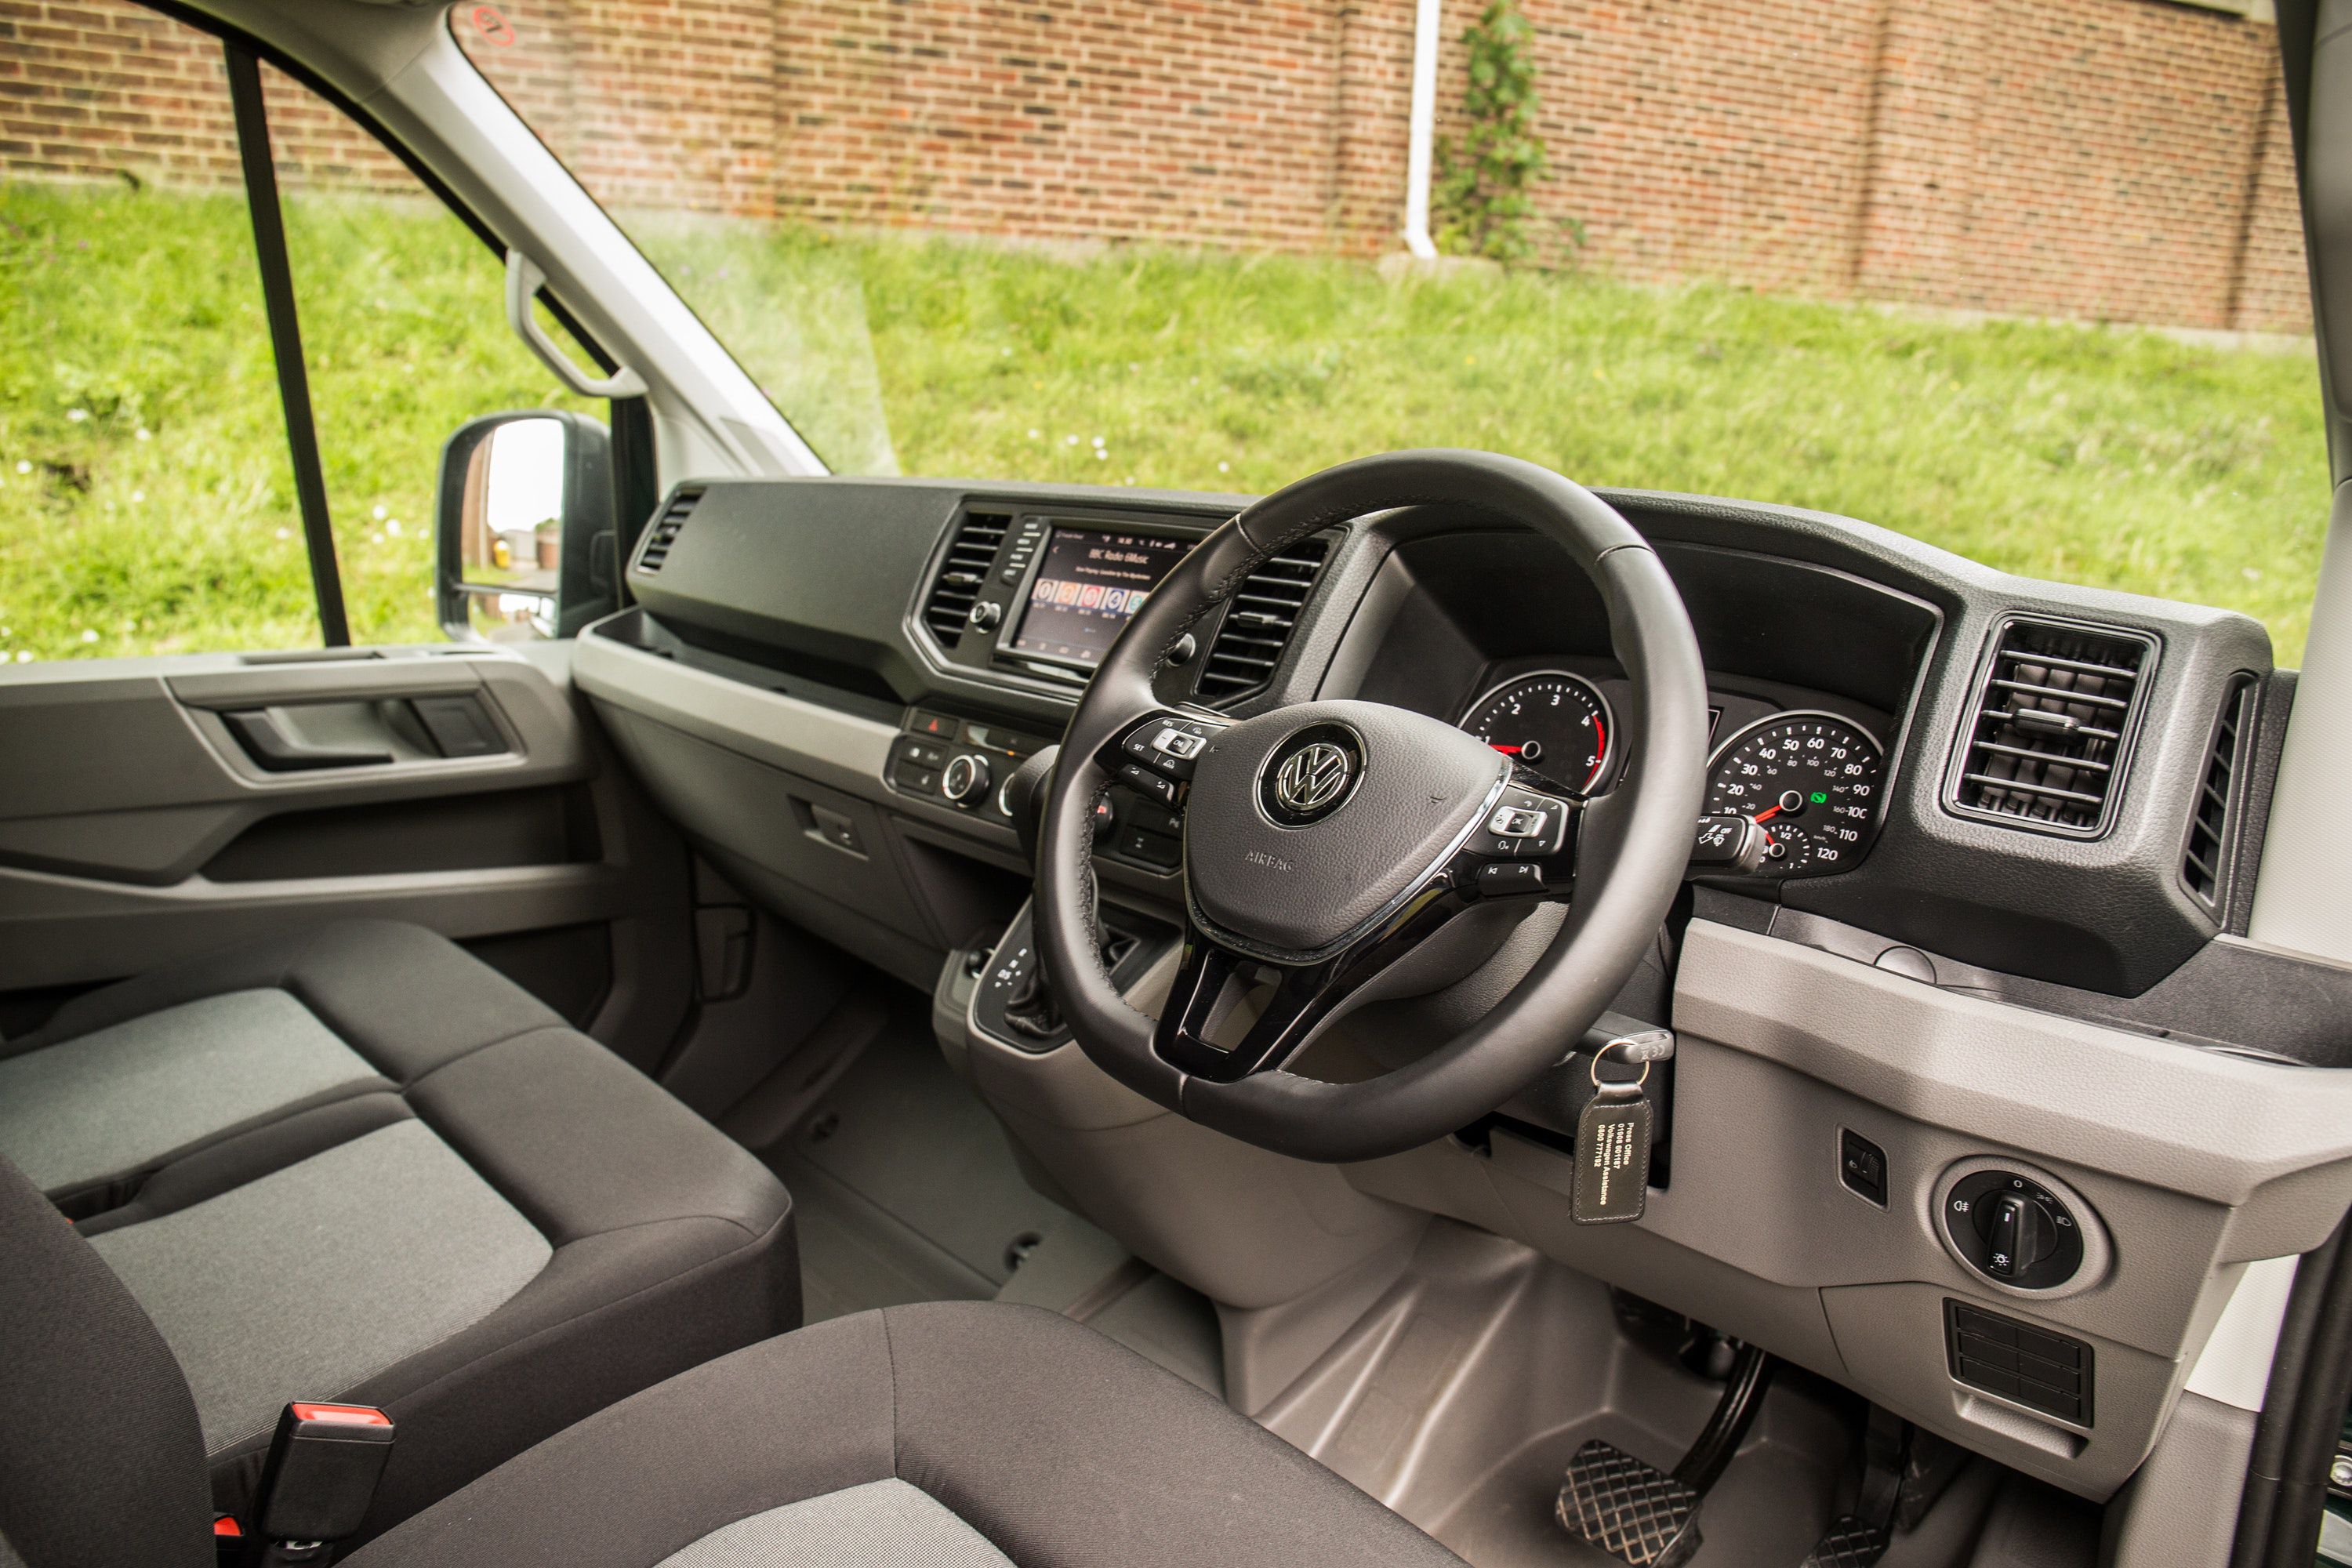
[(956, 1433), (356, 1163), (952, 1434)]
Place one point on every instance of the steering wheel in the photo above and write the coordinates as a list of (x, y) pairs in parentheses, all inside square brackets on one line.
[(1326, 841)]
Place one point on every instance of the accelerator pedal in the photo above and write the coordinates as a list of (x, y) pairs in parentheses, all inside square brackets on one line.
[(1849, 1542), (1858, 1539), (1638, 1513)]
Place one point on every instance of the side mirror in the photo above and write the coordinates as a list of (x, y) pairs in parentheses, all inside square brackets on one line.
[(524, 521)]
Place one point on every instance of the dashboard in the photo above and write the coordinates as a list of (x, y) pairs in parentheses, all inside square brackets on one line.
[(1966, 837)]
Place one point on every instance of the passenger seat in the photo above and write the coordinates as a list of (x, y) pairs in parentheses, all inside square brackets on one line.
[(357, 1164)]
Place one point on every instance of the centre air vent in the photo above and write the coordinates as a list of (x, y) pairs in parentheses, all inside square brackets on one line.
[(2050, 728), (2213, 828), (665, 530), (1259, 622), (969, 557)]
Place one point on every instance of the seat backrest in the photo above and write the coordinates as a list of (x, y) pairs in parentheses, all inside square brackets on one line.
[(101, 1457)]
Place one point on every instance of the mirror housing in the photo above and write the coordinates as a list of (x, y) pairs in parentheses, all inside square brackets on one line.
[(526, 540)]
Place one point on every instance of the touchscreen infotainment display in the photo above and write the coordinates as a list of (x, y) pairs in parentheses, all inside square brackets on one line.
[(1088, 585)]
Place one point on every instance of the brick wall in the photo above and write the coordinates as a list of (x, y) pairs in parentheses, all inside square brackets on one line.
[(2122, 159), (105, 88)]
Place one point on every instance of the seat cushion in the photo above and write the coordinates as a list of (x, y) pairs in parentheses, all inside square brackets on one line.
[(1041, 1440), (123, 1097), (357, 1163), (324, 1274)]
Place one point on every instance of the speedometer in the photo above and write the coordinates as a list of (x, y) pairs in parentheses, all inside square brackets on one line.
[(1552, 721), (1810, 781)]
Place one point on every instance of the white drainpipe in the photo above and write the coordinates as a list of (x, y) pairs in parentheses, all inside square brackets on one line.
[(1422, 128)]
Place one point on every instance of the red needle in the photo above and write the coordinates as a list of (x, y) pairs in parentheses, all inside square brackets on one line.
[(1764, 815), (1506, 751)]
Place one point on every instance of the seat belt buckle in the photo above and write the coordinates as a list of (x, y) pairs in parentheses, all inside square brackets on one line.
[(319, 1477)]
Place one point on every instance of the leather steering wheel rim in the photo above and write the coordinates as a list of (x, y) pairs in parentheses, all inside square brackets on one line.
[(1629, 860)]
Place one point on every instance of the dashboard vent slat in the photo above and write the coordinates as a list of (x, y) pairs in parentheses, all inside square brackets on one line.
[(2212, 826), (663, 535), (970, 555), (1259, 622), (2050, 726)]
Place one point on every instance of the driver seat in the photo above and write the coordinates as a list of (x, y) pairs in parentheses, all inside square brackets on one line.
[(955, 1434)]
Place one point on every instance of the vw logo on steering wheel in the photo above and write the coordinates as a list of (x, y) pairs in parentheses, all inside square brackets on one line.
[(1314, 778), (1311, 776)]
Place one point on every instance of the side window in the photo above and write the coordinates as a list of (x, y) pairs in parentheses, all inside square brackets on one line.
[(146, 505), (148, 501), (405, 338)]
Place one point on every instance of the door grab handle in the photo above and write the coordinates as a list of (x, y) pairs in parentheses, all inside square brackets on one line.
[(523, 278), (268, 745)]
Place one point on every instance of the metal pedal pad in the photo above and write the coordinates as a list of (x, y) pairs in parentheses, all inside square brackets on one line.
[(1635, 1512), (1848, 1542)]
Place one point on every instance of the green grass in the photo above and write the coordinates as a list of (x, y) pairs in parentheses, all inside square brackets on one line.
[(2096, 456), (146, 500)]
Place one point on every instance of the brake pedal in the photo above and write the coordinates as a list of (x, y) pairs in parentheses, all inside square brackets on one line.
[(1638, 1513), (1634, 1512)]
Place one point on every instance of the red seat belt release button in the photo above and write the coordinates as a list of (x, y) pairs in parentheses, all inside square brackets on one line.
[(322, 1473)]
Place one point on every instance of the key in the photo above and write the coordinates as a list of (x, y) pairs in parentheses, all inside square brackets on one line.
[(1611, 1183)]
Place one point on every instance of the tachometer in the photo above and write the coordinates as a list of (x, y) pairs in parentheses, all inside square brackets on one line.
[(1809, 780), (1552, 721)]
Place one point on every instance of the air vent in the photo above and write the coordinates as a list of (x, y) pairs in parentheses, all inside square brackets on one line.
[(2053, 720), (2213, 830), (665, 530), (1258, 624), (970, 556)]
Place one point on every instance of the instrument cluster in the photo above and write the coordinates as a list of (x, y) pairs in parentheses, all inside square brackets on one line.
[(1812, 781)]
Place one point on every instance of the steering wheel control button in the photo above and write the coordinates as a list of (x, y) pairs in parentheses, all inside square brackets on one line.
[(2043, 1371), (2013, 1230), (1147, 783), (1523, 825), (1167, 744), (1517, 822), (1862, 1166), (1500, 879)]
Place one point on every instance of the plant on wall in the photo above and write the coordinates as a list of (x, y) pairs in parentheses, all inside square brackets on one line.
[(1483, 200)]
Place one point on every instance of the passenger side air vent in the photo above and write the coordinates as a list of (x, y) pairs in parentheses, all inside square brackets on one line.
[(968, 558), (1258, 623), (665, 530), (2213, 830), (2051, 729)]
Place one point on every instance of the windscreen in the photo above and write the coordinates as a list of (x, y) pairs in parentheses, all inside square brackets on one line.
[(2037, 299)]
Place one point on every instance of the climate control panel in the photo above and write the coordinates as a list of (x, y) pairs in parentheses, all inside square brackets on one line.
[(963, 763)]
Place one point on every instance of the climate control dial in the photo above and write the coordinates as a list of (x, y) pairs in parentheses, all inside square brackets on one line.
[(966, 779)]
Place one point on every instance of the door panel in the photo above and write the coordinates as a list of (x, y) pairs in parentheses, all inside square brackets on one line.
[(140, 824)]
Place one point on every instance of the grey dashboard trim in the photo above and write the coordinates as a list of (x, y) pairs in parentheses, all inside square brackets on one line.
[(839, 748), (2212, 1125)]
